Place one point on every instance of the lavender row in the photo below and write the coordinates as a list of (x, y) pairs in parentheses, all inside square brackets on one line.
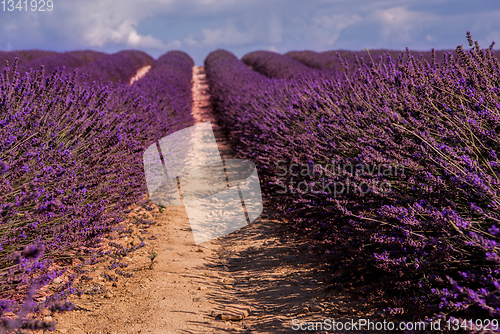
[(117, 67), (70, 60), (428, 239), (65, 154), (330, 63), (34, 59), (24, 55), (349, 60), (274, 65), (70, 161), (338, 59), (168, 83)]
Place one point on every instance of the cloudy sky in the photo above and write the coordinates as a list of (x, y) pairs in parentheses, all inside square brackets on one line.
[(240, 26)]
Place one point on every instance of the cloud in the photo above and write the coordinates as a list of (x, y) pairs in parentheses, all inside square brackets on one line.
[(267, 30), (487, 27), (124, 33), (200, 26), (103, 23), (224, 35), (275, 29), (398, 24), (327, 28)]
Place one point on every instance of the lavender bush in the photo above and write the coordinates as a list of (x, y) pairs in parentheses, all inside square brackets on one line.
[(431, 242), (70, 161)]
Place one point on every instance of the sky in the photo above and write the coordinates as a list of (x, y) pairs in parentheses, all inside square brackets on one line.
[(241, 26)]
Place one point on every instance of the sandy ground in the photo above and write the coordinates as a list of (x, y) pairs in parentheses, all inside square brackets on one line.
[(189, 285)]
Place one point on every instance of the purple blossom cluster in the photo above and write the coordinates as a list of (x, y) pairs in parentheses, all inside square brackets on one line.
[(431, 243), (70, 163)]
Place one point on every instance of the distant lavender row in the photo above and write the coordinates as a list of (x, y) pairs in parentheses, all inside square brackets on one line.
[(329, 60), (120, 66), (33, 59), (274, 65), (168, 83), (24, 55), (70, 60), (328, 63), (117, 67), (431, 242), (70, 161)]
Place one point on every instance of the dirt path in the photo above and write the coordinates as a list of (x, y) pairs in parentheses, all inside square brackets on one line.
[(170, 297), (189, 284)]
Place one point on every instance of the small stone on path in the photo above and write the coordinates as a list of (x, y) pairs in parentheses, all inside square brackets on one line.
[(234, 312), (315, 308)]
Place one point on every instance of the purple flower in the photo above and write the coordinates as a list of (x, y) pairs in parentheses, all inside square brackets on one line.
[(33, 251), (52, 205), (4, 167)]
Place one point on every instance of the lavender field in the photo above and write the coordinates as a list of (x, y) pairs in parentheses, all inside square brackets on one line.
[(388, 160)]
